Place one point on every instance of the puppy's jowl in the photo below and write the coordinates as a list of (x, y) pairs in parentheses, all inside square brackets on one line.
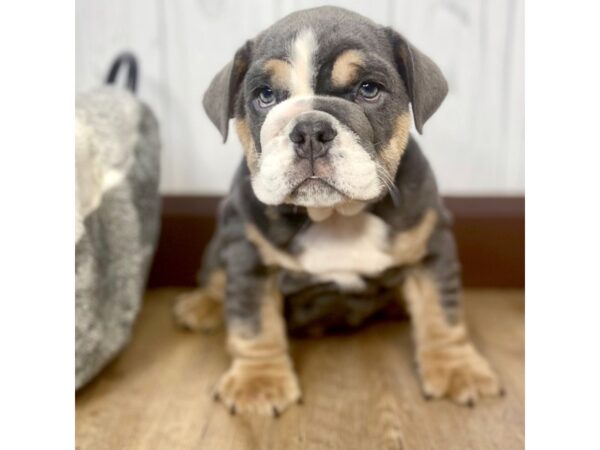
[(334, 200)]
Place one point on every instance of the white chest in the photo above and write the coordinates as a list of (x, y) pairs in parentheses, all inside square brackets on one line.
[(341, 249)]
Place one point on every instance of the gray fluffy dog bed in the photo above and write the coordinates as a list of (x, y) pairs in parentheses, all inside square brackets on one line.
[(117, 219)]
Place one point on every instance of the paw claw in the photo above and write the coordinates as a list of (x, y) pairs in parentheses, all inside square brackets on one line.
[(457, 372), (265, 387)]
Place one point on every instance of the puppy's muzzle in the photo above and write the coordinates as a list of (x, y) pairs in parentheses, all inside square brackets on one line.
[(312, 138)]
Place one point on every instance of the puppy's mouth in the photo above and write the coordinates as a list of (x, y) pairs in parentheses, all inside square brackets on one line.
[(316, 191), (316, 182)]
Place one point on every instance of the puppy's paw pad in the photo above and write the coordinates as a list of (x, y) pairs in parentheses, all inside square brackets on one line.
[(259, 387), (197, 311), (459, 373)]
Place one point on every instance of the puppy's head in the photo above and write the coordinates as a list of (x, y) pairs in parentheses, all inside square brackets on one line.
[(321, 105)]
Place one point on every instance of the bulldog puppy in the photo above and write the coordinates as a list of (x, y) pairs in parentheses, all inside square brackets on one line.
[(333, 198)]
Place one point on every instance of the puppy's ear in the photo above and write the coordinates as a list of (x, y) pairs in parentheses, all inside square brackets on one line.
[(219, 99), (424, 80)]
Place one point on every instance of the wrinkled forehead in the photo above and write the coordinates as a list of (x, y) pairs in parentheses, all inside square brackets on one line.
[(293, 52), (330, 31)]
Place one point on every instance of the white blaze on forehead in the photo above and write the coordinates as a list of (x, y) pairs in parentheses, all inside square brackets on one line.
[(302, 55)]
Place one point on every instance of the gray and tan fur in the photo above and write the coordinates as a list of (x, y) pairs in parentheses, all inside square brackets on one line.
[(333, 205)]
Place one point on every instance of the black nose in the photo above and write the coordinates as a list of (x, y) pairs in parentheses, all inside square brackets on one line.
[(312, 139)]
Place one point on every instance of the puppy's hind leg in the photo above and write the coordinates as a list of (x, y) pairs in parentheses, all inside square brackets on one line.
[(202, 309)]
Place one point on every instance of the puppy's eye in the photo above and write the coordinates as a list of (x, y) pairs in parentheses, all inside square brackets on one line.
[(369, 90), (266, 97)]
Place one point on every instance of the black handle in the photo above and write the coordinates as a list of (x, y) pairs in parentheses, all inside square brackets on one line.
[(130, 60)]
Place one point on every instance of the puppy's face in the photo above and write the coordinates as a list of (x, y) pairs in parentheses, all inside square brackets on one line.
[(321, 102)]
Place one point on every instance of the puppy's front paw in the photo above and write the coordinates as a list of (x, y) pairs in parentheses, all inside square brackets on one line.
[(198, 311), (458, 372), (259, 387)]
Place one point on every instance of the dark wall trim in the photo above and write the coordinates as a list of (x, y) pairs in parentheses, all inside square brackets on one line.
[(490, 232)]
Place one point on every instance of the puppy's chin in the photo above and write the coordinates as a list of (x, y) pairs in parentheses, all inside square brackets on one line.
[(316, 193), (308, 191), (320, 198)]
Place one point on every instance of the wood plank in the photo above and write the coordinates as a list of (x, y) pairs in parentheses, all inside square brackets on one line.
[(105, 29), (360, 390), (475, 141), (200, 39)]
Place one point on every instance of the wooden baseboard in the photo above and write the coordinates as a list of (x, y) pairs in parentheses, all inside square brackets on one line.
[(490, 233)]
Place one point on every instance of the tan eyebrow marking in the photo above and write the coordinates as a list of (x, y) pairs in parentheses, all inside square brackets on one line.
[(345, 68), (280, 72)]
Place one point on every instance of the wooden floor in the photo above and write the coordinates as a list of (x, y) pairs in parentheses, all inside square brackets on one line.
[(360, 391)]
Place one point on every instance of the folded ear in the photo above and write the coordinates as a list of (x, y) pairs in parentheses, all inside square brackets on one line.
[(424, 80), (219, 99)]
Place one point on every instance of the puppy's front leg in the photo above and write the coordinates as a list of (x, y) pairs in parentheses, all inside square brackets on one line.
[(448, 363), (261, 379)]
